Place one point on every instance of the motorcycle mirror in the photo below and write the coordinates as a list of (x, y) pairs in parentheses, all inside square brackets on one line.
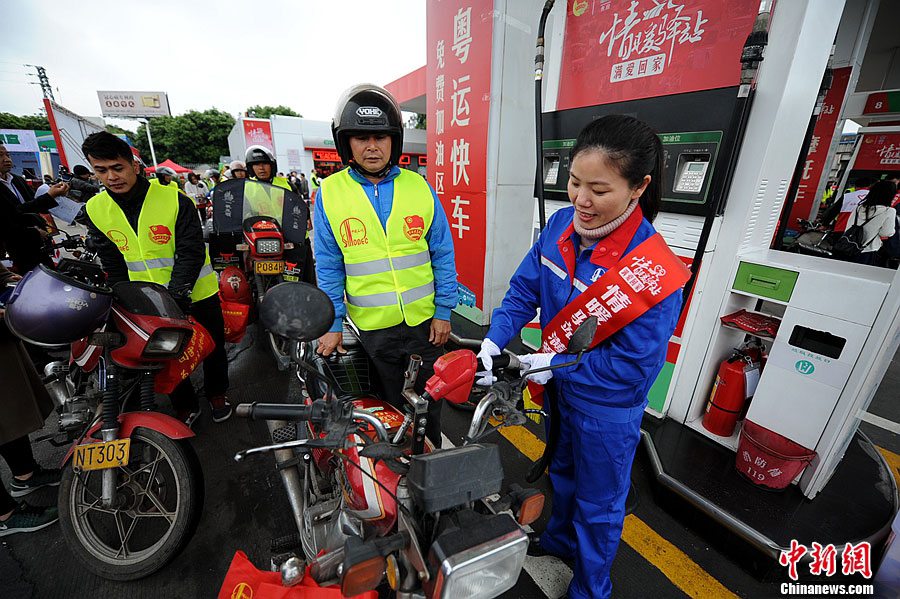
[(298, 311), (583, 335)]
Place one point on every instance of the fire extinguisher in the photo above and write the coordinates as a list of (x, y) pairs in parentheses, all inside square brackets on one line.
[(726, 402)]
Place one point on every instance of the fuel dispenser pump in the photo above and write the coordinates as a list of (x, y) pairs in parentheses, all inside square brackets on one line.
[(731, 137)]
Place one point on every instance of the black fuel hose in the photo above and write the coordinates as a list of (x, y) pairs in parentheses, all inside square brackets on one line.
[(538, 114)]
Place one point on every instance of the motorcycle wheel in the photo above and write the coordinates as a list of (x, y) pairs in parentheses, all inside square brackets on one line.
[(160, 498)]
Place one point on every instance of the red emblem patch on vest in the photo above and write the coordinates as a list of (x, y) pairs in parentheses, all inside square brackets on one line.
[(413, 227), (160, 234), (118, 238), (353, 233)]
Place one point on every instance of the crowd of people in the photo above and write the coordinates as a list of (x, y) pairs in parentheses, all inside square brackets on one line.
[(399, 288)]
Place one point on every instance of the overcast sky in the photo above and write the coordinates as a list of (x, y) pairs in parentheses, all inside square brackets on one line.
[(224, 54)]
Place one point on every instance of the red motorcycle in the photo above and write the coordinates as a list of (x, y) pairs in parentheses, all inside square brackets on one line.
[(132, 490), (260, 228), (372, 499)]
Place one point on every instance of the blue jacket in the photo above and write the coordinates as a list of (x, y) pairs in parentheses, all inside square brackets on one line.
[(612, 380), (330, 261)]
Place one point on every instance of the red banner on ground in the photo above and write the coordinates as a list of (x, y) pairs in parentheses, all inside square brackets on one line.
[(618, 50), (818, 157), (459, 85)]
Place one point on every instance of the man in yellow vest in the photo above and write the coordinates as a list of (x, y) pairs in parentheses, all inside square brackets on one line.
[(262, 167), (382, 241), (151, 233)]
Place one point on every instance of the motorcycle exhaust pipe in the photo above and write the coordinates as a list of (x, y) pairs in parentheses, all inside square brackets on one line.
[(58, 385), (290, 475)]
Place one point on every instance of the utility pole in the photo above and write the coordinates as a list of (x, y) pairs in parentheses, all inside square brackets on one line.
[(43, 81)]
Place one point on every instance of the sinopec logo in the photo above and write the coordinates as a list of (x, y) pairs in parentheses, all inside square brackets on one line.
[(353, 233), (413, 227), (369, 111), (160, 234)]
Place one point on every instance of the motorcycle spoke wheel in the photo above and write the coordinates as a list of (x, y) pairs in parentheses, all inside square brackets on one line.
[(159, 496)]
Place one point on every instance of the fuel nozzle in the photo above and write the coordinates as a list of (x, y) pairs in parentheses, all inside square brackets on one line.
[(755, 47)]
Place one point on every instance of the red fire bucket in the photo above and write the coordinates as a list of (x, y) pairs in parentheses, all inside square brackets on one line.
[(769, 459)]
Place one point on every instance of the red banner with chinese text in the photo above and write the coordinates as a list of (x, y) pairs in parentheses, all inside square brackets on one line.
[(258, 132), (644, 277), (459, 85), (818, 157), (618, 50), (878, 152)]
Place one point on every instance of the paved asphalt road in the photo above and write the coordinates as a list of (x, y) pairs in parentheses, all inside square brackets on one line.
[(669, 552)]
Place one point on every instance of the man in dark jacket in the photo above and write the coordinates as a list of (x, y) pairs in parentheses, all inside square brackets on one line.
[(303, 187), (21, 226), (111, 159), (81, 187)]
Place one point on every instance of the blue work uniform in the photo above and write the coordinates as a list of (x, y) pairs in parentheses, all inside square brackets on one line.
[(601, 399)]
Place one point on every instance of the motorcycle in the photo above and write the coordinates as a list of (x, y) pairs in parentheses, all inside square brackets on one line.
[(132, 490), (260, 228), (813, 239), (371, 498)]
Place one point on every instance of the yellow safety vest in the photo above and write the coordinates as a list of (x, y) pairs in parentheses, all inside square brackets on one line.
[(284, 184), (171, 183), (150, 251), (389, 276)]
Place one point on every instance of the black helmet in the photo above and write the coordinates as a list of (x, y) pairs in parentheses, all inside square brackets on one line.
[(367, 108), (258, 155), (168, 172)]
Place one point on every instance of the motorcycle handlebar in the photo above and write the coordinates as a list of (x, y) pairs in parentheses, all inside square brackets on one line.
[(273, 411), (501, 361)]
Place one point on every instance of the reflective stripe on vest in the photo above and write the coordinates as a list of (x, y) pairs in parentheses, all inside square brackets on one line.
[(149, 252), (389, 275)]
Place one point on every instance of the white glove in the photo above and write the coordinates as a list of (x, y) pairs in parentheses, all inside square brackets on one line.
[(488, 350), (532, 361)]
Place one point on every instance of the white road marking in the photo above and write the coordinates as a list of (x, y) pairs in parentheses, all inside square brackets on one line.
[(888, 425)]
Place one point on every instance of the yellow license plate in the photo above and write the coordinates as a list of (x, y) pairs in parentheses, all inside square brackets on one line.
[(291, 278), (269, 268), (97, 456)]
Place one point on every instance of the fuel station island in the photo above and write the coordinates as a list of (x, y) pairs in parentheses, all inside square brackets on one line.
[(748, 99)]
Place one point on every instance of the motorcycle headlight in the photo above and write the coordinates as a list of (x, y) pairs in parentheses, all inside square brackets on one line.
[(478, 563), (165, 343), (268, 246)]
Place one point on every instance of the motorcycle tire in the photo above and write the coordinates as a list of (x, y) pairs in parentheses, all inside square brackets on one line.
[(161, 498)]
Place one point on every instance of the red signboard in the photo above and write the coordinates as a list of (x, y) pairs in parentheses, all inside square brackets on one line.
[(818, 157), (878, 152), (258, 133), (882, 102), (618, 50), (326, 156), (459, 84)]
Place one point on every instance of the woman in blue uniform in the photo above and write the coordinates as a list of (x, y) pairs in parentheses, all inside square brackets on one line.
[(615, 189)]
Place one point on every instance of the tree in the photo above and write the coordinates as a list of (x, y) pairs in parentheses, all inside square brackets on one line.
[(264, 112), (420, 120), (194, 137), (32, 121)]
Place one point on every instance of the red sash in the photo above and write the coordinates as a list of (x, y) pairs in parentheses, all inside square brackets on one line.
[(641, 279)]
